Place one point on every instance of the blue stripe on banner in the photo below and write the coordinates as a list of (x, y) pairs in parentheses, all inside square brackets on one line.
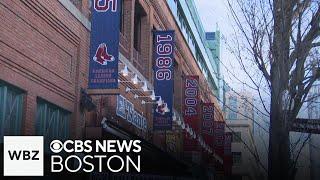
[(163, 78), (104, 47)]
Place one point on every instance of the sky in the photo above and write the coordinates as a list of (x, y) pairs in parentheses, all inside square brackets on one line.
[(215, 15)]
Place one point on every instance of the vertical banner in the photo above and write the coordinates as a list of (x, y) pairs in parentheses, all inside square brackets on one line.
[(219, 137), (207, 114), (219, 141), (163, 79), (104, 44), (227, 158), (191, 111), (207, 123)]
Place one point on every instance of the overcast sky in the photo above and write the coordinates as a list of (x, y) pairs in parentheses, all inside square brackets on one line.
[(215, 15)]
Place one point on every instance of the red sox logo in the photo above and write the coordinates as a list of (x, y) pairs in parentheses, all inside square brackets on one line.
[(102, 56), (104, 5), (161, 109)]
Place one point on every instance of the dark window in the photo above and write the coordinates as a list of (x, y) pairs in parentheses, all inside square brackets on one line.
[(11, 110), (236, 157), (138, 15), (122, 17), (236, 137), (210, 36)]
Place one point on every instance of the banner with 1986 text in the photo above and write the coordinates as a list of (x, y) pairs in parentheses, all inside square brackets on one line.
[(163, 79)]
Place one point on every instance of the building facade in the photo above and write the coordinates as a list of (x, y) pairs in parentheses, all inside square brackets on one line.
[(304, 144), (314, 141), (205, 46), (44, 57), (239, 119)]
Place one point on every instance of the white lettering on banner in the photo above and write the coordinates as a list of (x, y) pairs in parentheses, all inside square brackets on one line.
[(104, 5), (191, 93), (125, 110), (164, 63)]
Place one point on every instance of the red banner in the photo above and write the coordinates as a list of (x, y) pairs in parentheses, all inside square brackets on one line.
[(219, 138), (207, 123), (219, 141), (207, 116), (191, 111), (227, 158)]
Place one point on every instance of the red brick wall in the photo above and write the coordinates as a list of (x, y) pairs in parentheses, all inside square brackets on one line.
[(44, 50)]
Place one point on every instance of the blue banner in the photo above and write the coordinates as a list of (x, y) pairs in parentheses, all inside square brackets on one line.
[(163, 79), (104, 47)]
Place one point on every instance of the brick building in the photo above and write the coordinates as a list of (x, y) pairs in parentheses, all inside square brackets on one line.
[(44, 50)]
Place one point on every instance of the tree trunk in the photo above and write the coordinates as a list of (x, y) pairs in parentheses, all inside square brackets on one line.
[(279, 156)]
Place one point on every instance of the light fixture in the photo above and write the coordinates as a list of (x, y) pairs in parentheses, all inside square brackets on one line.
[(159, 102), (187, 128), (183, 126), (135, 79), (166, 109), (179, 122), (153, 96), (125, 71), (174, 117), (145, 86), (128, 89), (103, 122), (135, 96), (191, 132), (194, 136), (143, 102)]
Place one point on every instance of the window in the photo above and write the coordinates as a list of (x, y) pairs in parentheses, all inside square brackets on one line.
[(233, 108), (236, 137), (11, 110), (122, 17), (236, 157), (51, 121), (248, 111), (139, 13)]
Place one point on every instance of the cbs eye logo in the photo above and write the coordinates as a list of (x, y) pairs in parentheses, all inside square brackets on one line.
[(56, 146)]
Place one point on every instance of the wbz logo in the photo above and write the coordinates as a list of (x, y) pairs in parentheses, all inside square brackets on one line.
[(23, 156)]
